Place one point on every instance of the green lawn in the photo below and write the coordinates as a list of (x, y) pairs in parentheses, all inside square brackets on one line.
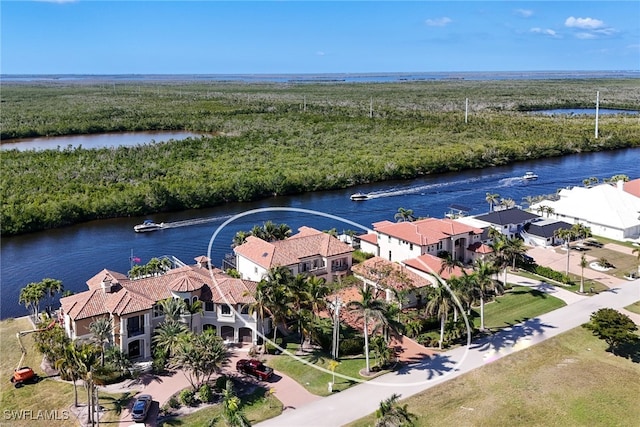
[(515, 306), (569, 380), (634, 308), (314, 380), (47, 395)]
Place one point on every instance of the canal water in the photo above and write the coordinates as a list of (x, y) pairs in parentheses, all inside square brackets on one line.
[(74, 254)]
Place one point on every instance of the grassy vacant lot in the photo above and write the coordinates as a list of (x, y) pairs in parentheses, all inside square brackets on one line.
[(569, 380), (622, 263), (516, 306), (47, 395)]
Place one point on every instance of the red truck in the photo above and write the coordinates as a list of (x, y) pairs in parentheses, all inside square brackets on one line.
[(254, 368)]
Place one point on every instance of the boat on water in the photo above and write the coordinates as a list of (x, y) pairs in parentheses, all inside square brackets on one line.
[(359, 196), (529, 176), (148, 225)]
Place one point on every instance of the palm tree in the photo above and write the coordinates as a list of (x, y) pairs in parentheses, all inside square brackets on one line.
[(439, 305), (449, 263), (483, 282), (566, 235), (68, 367), (102, 330), (583, 264), (86, 359), (369, 309), (167, 336), (317, 290), (404, 215), (260, 307), (51, 287), (231, 410), (391, 414), (507, 203), (31, 295), (515, 249), (492, 199), (277, 284), (192, 308), (172, 309), (240, 237)]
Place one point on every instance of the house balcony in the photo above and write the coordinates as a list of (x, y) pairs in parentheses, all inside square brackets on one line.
[(135, 332), (341, 267)]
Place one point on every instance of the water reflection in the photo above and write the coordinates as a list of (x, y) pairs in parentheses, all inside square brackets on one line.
[(104, 140)]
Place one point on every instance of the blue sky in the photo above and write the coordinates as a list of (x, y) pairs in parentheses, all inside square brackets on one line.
[(213, 37)]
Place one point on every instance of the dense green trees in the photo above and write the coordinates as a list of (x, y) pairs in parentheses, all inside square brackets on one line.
[(257, 141)]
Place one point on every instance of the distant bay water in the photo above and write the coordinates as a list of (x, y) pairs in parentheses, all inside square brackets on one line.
[(327, 77)]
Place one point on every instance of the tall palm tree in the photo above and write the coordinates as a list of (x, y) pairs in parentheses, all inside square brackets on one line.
[(277, 284), (318, 290), (192, 308), (583, 264), (102, 330), (492, 199), (566, 235), (391, 414), (514, 250), (68, 367), (483, 271), (260, 307), (439, 305), (449, 263), (51, 288), (31, 295), (87, 356), (371, 311)]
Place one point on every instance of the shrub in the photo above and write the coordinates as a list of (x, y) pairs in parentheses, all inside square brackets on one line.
[(107, 375), (221, 383), (205, 394), (351, 346), (187, 397), (173, 403)]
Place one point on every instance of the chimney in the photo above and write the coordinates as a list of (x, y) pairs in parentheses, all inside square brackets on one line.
[(107, 285)]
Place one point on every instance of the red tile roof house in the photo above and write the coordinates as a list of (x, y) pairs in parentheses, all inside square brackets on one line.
[(391, 278), (308, 252), (399, 241), (132, 304)]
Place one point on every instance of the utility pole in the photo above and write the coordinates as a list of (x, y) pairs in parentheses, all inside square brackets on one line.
[(597, 107), (336, 328)]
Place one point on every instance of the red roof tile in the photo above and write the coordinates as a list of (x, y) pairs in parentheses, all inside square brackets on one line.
[(395, 275), (426, 231), (432, 265)]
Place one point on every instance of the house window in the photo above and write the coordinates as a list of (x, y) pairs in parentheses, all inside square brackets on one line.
[(389, 255), (193, 300), (157, 310), (208, 306), (410, 246), (244, 309), (135, 325), (225, 309)]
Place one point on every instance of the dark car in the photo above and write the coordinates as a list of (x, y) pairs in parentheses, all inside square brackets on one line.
[(255, 368), (141, 407)]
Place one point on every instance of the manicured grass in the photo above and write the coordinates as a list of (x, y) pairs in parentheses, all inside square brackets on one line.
[(569, 380), (517, 305), (257, 407), (622, 263), (634, 308), (315, 380), (47, 395)]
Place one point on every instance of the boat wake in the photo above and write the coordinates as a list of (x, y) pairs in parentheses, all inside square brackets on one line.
[(195, 221), (423, 189)]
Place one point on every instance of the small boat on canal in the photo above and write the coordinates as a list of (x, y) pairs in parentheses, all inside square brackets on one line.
[(529, 176), (148, 225), (359, 197)]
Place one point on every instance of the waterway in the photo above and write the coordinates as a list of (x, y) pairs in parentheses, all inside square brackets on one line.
[(74, 254)]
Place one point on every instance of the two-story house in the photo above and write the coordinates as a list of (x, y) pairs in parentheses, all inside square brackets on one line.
[(509, 222), (132, 305), (399, 241), (308, 252)]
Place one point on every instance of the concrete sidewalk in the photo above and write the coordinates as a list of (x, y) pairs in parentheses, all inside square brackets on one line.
[(567, 296)]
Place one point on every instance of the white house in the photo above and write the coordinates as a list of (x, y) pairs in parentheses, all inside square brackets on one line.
[(607, 209), (308, 252), (398, 241)]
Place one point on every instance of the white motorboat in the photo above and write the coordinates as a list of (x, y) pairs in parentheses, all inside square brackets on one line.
[(529, 176), (148, 225), (359, 196)]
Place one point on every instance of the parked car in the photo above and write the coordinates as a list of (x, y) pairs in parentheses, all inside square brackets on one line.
[(141, 407), (255, 368)]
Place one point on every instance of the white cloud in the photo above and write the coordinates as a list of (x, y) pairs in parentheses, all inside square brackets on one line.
[(320, 53), (525, 13), (583, 23), (585, 36), (545, 31), (438, 22)]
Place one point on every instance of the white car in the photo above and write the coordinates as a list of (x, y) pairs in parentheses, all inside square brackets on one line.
[(141, 407)]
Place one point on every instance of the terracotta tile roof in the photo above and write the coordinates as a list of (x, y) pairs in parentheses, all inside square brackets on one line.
[(371, 238), (96, 281), (432, 265), (632, 187), (306, 244), (426, 231), (397, 276), (130, 296), (480, 248)]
